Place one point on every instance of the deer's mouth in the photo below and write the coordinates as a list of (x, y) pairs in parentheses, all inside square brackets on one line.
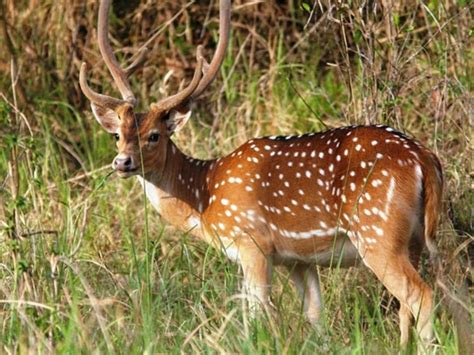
[(127, 173)]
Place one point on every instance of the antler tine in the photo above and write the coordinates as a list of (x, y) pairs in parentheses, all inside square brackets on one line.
[(120, 76), (175, 100), (99, 99), (224, 31)]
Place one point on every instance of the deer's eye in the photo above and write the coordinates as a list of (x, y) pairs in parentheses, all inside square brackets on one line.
[(153, 137), (117, 137)]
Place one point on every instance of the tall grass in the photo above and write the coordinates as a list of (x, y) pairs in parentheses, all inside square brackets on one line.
[(86, 265)]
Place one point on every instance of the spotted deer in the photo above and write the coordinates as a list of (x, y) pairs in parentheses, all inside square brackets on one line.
[(352, 195)]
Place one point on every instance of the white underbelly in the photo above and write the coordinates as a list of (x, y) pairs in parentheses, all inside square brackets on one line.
[(342, 253)]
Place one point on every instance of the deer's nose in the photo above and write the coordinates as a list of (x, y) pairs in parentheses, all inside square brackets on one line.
[(123, 163)]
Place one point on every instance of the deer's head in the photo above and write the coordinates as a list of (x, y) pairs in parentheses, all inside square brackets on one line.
[(143, 138)]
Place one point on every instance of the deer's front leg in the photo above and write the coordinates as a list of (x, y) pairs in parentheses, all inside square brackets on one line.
[(306, 281), (257, 269)]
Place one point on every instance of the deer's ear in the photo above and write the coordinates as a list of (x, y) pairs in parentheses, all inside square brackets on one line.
[(177, 119), (107, 118)]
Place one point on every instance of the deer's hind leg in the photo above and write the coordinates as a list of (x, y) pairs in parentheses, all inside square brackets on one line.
[(405, 315), (384, 248)]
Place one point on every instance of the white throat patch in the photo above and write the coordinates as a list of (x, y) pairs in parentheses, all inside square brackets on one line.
[(151, 192)]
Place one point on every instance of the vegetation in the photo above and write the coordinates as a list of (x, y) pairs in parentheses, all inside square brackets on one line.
[(87, 265)]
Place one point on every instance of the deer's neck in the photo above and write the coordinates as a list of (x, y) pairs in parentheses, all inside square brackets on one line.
[(181, 193)]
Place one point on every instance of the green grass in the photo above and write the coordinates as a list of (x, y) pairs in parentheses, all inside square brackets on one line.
[(86, 265)]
